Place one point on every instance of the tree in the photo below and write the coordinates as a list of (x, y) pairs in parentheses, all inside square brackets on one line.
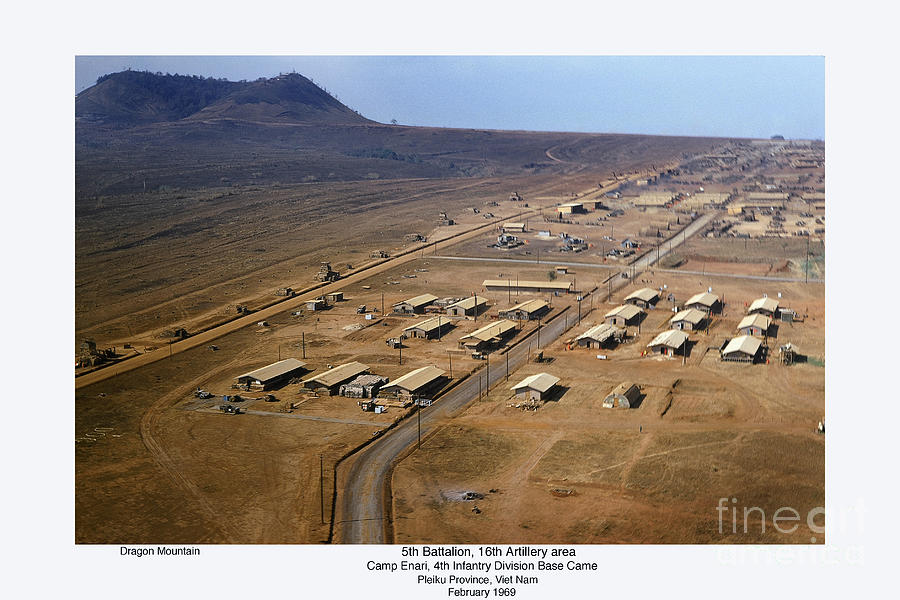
[(393, 121), (551, 275)]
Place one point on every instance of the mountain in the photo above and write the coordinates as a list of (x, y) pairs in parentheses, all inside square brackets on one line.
[(132, 98), (139, 132)]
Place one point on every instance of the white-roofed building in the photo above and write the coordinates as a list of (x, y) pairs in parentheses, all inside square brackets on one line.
[(272, 375), (468, 306), (600, 335), (764, 306), (668, 342), (526, 311), (644, 297), (705, 301), (689, 319), (489, 335), (535, 387), (417, 383), (743, 348), (414, 305), (626, 314), (755, 324)]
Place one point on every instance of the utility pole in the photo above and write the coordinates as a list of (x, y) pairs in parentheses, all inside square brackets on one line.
[(322, 489), (419, 413), (579, 310), (400, 348), (507, 365), (488, 356), (807, 258), (382, 304), (476, 306), (539, 333)]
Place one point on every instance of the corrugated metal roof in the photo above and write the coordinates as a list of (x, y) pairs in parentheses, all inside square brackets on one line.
[(491, 331), (417, 379), (420, 300), (274, 370), (540, 382), (704, 298), (743, 343), (556, 285), (626, 311), (600, 333), (429, 324), (338, 374), (514, 225), (571, 204), (769, 304), (529, 306), (469, 303), (671, 338), (645, 294), (691, 315), (761, 321)]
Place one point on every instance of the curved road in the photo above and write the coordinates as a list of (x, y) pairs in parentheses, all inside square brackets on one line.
[(361, 515)]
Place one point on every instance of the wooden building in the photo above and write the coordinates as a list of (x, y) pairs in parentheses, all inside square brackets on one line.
[(420, 383), (503, 285), (526, 311), (743, 348), (434, 327), (764, 306), (644, 298), (488, 336), (690, 319), (535, 388), (329, 382), (706, 301), (415, 305), (599, 336), (273, 375), (755, 324), (669, 342), (626, 314), (470, 306)]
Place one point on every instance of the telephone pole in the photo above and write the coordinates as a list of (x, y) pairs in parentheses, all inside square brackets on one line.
[(322, 489)]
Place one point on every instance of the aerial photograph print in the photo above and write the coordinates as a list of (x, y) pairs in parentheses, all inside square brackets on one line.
[(482, 299)]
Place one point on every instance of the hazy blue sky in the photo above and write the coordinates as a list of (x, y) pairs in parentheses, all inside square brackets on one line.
[(742, 96)]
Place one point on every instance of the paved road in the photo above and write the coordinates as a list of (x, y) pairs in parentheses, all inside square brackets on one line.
[(360, 512)]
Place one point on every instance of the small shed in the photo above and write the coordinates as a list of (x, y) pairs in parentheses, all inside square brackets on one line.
[(514, 227), (316, 304), (690, 319), (626, 314), (625, 395), (644, 297), (668, 342), (335, 296), (755, 324), (273, 375), (535, 387)]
